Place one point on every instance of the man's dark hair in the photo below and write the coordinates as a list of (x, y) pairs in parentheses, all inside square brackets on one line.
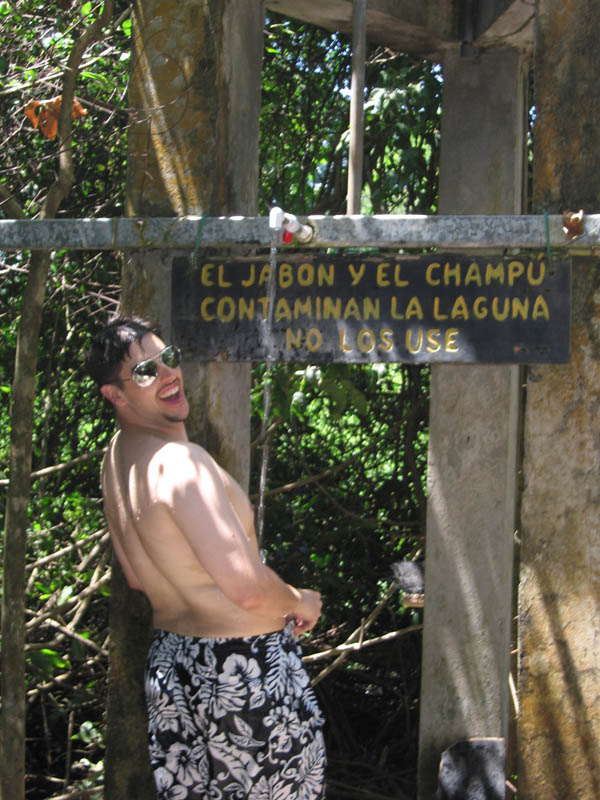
[(111, 345)]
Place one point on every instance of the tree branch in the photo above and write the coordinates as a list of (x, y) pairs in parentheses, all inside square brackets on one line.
[(71, 634), (355, 646), (9, 206), (58, 467), (70, 603), (62, 185), (358, 633), (64, 550)]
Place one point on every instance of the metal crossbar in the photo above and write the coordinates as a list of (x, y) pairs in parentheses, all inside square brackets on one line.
[(465, 232)]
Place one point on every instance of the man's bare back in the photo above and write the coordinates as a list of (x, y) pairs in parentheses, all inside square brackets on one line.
[(176, 557)]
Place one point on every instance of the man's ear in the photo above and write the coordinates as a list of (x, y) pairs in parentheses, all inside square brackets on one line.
[(113, 394)]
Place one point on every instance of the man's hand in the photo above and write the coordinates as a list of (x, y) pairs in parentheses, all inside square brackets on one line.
[(308, 611)]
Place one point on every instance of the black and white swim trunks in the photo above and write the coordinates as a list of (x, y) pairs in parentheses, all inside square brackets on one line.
[(233, 719)]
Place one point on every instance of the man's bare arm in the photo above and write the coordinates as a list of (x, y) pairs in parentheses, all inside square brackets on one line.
[(189, 483)]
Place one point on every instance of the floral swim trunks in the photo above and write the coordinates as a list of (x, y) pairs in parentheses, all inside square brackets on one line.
[(233, 719)]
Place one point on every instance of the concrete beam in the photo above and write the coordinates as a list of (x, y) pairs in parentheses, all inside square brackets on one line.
[(503, 23), (425, 28), (401, 231)]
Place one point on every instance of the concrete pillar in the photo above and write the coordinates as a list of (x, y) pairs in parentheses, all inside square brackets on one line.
[(559, 595), (193, 149), (474, 425)]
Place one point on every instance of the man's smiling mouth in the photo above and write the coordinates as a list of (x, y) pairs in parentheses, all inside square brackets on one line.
[(170, 393)]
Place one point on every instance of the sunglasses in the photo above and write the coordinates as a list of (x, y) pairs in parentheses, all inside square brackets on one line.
[(146, 372)]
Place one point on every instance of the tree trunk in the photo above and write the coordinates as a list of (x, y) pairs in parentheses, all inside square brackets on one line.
[(15, 538), (12, 729)]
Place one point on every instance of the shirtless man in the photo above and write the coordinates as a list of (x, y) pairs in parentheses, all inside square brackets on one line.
[(231, 712)]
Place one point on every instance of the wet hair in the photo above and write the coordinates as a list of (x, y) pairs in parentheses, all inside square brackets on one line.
[(111, 346)]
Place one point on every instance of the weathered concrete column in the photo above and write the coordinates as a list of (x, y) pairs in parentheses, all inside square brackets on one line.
[(559, 597), (474, 421), (193, 149)]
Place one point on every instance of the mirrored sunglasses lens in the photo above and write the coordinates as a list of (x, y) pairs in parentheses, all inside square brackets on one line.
[(143, 374), (171, 356), (144, 380)]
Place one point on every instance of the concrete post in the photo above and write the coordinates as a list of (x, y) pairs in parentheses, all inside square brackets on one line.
[(193, 149), (559, 595), (473, 440)]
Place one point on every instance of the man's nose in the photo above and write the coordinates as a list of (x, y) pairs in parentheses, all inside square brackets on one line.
[(164, 370)]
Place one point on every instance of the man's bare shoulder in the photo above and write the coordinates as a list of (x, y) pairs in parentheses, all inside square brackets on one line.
[(175, 466), (183, 455), (162, 470), (142, 445)]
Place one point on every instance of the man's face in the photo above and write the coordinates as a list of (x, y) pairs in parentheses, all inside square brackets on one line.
[(163, 400)]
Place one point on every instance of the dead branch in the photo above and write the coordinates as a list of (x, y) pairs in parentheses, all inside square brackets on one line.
[(11, 209), (309, 479), (360, 645), (79, 794), (358, 633), (59, 680), (328, 473), (82, 607), (58, 467), (76, 605), (102, 535), (265, 434), (66, 631), (70, 603), (86, 560)]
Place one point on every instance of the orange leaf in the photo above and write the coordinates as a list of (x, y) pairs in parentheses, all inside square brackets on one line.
[(49, 123), (78, 109), (45, 114), (32, 112)]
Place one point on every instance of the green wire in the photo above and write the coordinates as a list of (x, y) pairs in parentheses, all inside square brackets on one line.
[(548, 248)]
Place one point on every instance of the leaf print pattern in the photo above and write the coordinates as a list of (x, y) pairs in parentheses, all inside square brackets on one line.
[(233, 719)]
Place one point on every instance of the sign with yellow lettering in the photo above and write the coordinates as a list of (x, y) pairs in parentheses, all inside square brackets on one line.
[(360, 308)]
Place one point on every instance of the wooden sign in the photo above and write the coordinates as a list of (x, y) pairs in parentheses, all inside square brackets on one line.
[(361, 308)]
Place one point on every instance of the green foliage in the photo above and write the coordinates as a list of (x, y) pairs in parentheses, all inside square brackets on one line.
[(305, 118), (68, 549), (354, 522), (35, 45), (402, 136), (351, 448)]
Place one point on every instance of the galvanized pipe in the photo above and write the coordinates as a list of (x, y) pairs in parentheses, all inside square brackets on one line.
[(462, 232), (357, 91)]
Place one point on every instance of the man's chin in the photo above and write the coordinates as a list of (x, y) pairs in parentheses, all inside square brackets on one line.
[(181, 417), (179, 413)]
